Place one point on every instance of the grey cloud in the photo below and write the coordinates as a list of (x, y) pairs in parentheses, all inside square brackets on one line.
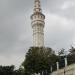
[(16, 31), (55, 6), (59, 31)]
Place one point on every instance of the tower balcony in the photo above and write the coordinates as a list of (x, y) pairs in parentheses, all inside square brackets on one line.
[(37, 15), (38, 22)]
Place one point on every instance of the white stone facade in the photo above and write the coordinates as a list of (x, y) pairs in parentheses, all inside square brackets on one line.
[(68, 70), (38, 25)]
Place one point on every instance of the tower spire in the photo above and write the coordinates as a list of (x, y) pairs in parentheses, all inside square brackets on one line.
[(37, 6), (38, 24)]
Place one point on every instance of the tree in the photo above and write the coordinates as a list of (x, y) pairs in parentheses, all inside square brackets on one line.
[(61, 52), (19, 71), (72, 50), (6, 70), (71, 56), (38, 60)]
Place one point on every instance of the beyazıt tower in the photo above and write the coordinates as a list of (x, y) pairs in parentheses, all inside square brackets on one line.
[(38, 25)]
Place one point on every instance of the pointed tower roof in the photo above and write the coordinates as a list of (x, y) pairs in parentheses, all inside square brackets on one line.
[(37, 6), (37, 9)]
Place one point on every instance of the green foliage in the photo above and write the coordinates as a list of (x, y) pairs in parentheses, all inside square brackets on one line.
[(72, 50), (9, 70), (19, 71), (61, 52), (6, 70), (38, 60)]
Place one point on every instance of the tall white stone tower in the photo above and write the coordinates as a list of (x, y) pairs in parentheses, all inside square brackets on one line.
[(38, 25)]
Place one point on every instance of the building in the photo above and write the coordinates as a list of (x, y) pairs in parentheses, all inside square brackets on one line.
[(38, 25)]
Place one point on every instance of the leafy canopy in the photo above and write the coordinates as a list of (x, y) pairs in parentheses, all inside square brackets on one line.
[(38, 60)]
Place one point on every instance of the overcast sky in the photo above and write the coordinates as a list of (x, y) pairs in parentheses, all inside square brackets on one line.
[(16, 31)]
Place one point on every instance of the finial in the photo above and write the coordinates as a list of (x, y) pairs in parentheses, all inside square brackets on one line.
[(37, 6)]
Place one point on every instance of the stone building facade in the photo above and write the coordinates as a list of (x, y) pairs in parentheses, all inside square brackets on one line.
[(38, 24)]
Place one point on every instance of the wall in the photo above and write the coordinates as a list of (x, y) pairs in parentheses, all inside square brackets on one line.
[(68, 70)]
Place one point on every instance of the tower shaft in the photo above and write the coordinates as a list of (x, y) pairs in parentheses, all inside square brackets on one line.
[(38, 25)]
